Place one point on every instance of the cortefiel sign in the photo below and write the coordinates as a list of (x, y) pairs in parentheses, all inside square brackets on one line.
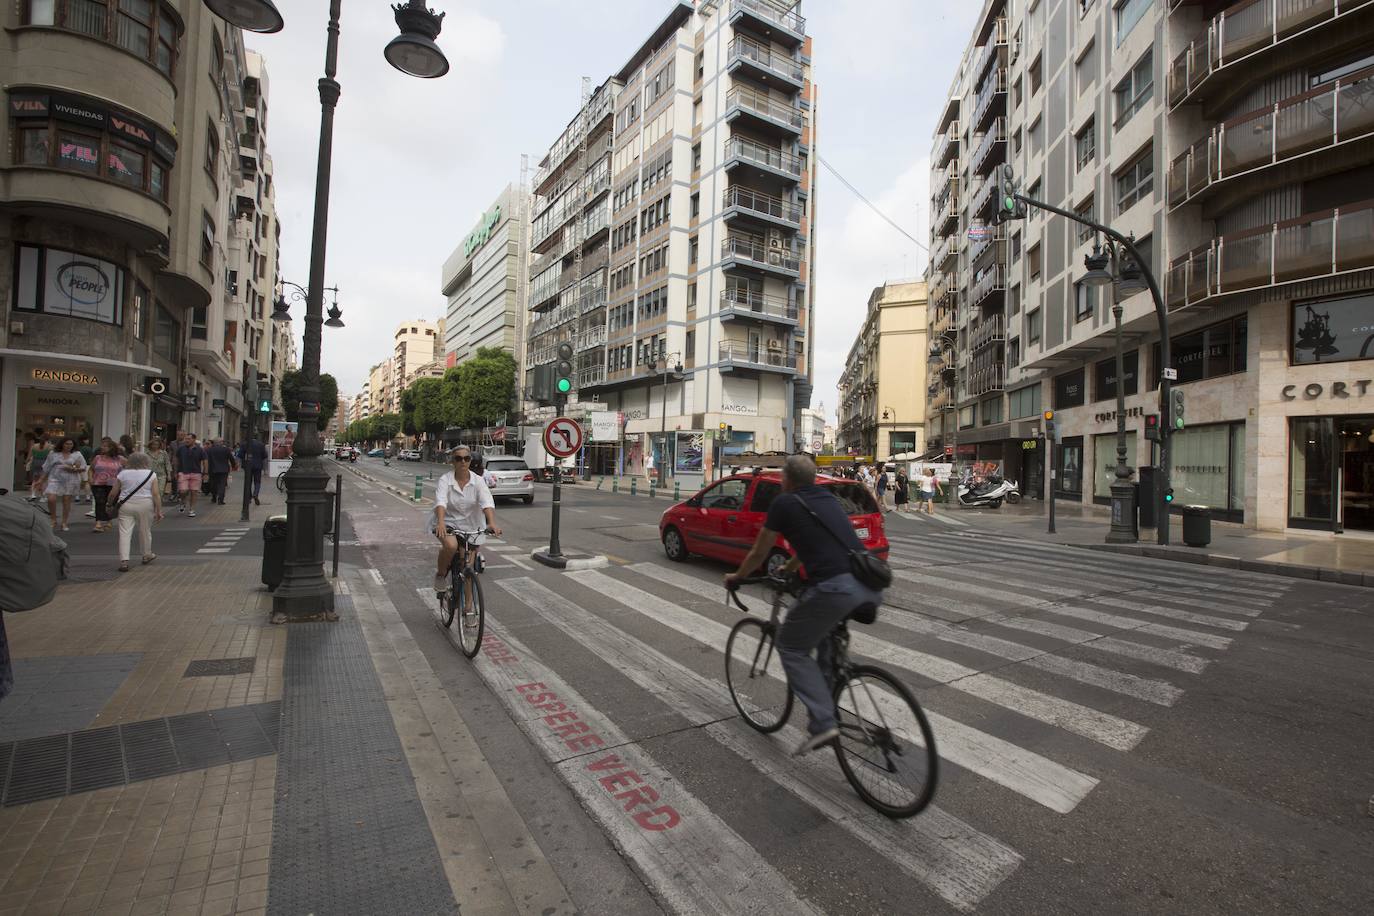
[(479, 236)]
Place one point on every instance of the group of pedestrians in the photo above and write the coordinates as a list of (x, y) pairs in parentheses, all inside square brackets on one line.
[(891, 487), (128, 486)]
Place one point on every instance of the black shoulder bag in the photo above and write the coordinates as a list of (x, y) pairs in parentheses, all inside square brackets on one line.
[(869, 568)]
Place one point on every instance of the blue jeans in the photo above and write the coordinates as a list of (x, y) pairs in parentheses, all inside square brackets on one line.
[(821, 608)]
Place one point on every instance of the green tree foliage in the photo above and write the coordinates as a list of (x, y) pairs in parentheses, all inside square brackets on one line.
[(431, 415), (408, 411), (385, 426), (291, 396), (485, 387)]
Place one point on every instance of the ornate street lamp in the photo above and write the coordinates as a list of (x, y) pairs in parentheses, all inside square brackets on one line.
[(304, 592)]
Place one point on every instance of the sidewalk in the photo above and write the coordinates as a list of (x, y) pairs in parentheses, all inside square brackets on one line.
[(1347, 559), (167, 750)]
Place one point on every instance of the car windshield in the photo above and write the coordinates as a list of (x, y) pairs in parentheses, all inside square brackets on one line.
[(506, 464), (854, 497)]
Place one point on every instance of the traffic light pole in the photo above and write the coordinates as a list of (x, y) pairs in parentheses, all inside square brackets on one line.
[(556, 549), (1165, 359)]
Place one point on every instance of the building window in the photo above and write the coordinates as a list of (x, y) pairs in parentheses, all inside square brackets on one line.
[(207, 241), (1128, 16), (1069, 466), (130, 24), (1033, 326), (1210, 352), (695, 210), (696, 157), (1333, 330), (166, 334), (1104, 376), (1085, 145), (140, 310), (1084, 301), (693, 244), (1033, 192), (1084, 232), (1033, 261), (1014, 353), (990, 411), (211, 149), (1135, 90), (58, 282), (1136, 181), (1036, 73), (1024, 402), (1070, 390), (701, 65)]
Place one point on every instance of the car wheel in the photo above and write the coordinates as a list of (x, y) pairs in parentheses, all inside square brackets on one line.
[(773, 565), (527, 499), (674, 546)]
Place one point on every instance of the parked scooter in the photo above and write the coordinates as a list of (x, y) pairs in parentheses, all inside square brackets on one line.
[(989, 492)]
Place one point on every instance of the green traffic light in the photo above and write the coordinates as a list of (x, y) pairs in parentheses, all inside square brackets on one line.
[(1169, 496), (564, 385), (1009, 203)]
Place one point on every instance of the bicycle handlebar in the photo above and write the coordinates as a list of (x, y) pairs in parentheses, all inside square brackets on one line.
[(777, 583)]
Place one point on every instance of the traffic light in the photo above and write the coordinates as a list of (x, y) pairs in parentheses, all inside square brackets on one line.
[(1152, 427), (541, 385), (723, 428), (1051, 428), (563, 370), (264, 401), (1176, 408), (1169, 495), (1008, 207)]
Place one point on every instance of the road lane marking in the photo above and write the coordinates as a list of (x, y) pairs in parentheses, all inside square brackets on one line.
[(377, 576), (214, 550), (521, 563), (1095, 725), (1057, 787), (958, 862), (693, 860)]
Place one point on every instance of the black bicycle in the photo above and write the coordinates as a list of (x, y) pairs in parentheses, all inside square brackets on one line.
[(465, 603), (886, 748)]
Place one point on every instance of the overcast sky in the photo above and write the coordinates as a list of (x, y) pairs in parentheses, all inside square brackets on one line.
[(416, 162)]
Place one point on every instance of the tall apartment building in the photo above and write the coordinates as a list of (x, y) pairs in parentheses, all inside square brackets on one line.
[(419, 344), (120, 181), (379, 387), (672, 226), (882, 388), (485, 279), (1234, 142)]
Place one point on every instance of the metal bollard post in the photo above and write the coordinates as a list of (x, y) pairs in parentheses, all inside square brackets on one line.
[(677, 491), (419, 487), (599, 482), (338, 518), (615, 484), (634, 486)]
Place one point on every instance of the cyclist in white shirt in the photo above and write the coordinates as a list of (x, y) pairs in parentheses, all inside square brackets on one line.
[(462, 504)]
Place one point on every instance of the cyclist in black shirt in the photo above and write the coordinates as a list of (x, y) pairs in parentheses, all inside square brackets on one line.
[(832, 592)]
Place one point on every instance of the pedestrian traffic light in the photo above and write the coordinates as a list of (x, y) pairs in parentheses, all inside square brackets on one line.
[(563, 369), (1008, 206), (1169, 495), (264, 403), (1176, 408), (1152, 427)]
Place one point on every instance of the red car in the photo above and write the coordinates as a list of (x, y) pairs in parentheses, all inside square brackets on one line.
[(722, 521)]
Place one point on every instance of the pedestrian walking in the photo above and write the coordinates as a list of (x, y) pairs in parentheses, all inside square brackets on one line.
[(252, 457), (136, 500), (83, 445), (38, 458), (220, 460), (105, 468), (880, 490), (902, 492), (127, 446), (190, 468), (929, 487), (160, 462), (60, 479)]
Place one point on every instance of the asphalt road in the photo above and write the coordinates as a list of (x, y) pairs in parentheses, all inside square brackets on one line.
[(1118, 735)]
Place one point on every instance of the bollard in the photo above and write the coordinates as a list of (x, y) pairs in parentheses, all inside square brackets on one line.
[(599, 482), (615, 484), (653, 489), (419, 486), (634, 486), (677, 491)]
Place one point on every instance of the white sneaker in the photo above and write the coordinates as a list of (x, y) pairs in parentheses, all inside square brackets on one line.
[(441, 585), (820, 739), (192, 513)]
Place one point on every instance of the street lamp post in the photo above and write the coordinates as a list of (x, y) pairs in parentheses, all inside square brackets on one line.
[(304, 592), (675, 360), (940, 346)]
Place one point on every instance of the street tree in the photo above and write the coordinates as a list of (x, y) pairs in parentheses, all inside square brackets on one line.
[(430, 416), (291, 396), (486, 385)]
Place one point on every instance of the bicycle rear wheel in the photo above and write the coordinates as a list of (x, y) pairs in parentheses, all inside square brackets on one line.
[(886, 748), (448, 602), (753, 671), (473, 618)]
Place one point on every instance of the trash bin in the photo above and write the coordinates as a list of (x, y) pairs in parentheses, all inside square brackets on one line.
[(1197, 526), (273, 551)]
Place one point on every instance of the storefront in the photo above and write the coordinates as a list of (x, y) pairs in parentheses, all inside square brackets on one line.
[(1331, 473), (58, 394)]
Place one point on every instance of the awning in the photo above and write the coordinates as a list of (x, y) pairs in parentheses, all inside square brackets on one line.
[(78, 359)]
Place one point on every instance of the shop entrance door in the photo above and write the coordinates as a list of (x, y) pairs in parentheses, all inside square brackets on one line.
[(1355, 444), (54, 413), (1331, 473)]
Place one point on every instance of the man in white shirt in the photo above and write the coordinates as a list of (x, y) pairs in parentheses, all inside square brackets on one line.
[(462, 503)]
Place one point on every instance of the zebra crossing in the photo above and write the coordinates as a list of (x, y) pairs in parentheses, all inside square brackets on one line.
[(225, 541), (1039, 666)]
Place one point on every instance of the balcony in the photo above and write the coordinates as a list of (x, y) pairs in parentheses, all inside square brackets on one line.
[(947, 248), (990, 332), (763, 63), (984, 200), (946, 208), (741, 303), (745, 252), (763, 111), (1242, 31), (595, 337), (591, 299), (992, 99), (743, 151), (991, 51), (1301, 125), (988, 379), (590, 376), (746, 202), (1317, 245), (948, 145), (776, 21), (978, 247), (735, 355), (944, 322), (993, 282), (992, 149)]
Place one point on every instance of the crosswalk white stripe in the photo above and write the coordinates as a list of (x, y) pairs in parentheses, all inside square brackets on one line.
[(237, 530), (1142, 688), (960, 863), (214, 550), (1169, 658), (1057, 787), (1115, 579), (1104, 728), (693, 860), (1192, 637)]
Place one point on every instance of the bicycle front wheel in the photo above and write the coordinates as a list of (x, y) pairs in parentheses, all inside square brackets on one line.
[(886, 748), (472, 618), (753, 671)]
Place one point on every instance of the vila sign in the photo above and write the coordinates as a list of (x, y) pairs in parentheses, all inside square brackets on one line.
[(65, 376)]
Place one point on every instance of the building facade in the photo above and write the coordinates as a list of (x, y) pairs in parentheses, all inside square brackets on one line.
[(419, 344), (485, 279), (120, 187), (672, 240), (1233, 142), (883, 386)]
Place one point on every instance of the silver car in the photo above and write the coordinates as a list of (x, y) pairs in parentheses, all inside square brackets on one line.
[(508, 475)]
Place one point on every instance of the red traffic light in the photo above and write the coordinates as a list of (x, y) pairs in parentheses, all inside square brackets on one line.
[(1152, 421)]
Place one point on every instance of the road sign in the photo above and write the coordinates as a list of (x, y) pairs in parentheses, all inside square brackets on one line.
[(562, 437), (1171, 374)]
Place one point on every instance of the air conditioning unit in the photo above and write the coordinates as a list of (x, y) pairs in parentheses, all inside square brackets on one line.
[(775, 240)]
